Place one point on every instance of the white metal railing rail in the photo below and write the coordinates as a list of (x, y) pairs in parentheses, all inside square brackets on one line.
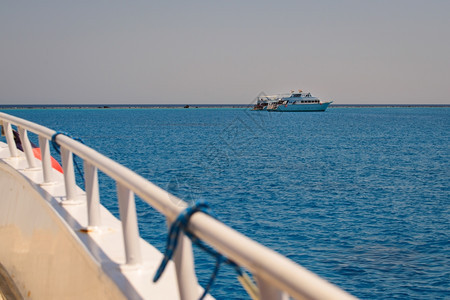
[(276, 276)]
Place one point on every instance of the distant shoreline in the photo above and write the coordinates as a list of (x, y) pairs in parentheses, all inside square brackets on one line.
[(185, 106)]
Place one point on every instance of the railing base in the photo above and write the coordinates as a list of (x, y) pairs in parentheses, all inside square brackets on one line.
[(48, 183), (95, 229), (32, 169), (76, 201), (131, 268)]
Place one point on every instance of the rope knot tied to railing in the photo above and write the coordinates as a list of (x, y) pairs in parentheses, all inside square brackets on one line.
[(181, 224)]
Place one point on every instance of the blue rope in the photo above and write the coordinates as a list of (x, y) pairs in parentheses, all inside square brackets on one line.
[(57, 149), (181, 224)]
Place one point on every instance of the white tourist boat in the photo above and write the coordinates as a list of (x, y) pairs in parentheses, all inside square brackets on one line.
[(58, 241), (293, 102)]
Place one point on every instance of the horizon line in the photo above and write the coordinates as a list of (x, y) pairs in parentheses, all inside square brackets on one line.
[(124, 105)]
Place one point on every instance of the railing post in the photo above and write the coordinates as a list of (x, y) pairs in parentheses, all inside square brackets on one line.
[(10, 139), (46, 160), (69, 173), (26, 146), (185, 269), (128, 218), (268, 291), (92, 195)]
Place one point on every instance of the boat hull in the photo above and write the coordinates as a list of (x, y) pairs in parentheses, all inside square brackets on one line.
[(302, 107), (39, 252)]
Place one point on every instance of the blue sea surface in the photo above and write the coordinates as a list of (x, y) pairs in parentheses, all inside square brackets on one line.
[(360, 196)]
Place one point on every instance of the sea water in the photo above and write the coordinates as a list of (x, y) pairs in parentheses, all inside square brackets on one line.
[(359, 196)]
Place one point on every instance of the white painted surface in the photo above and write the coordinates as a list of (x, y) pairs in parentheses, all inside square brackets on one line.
[(276, 275), (49, 258)]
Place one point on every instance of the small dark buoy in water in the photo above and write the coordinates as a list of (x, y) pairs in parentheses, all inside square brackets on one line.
[(186, 106)]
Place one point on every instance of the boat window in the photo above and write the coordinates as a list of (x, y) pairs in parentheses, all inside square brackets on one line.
[(296, 95)]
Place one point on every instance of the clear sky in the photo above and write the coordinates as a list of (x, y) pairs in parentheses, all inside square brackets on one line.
[(198, 52)]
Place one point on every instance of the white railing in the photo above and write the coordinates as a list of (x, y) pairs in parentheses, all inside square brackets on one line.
[(276, 276)]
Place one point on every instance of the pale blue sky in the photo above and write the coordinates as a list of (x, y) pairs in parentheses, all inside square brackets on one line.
[(198, 52)]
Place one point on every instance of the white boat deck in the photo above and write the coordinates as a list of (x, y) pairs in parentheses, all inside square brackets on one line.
[(104, 244), (59, 242)]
